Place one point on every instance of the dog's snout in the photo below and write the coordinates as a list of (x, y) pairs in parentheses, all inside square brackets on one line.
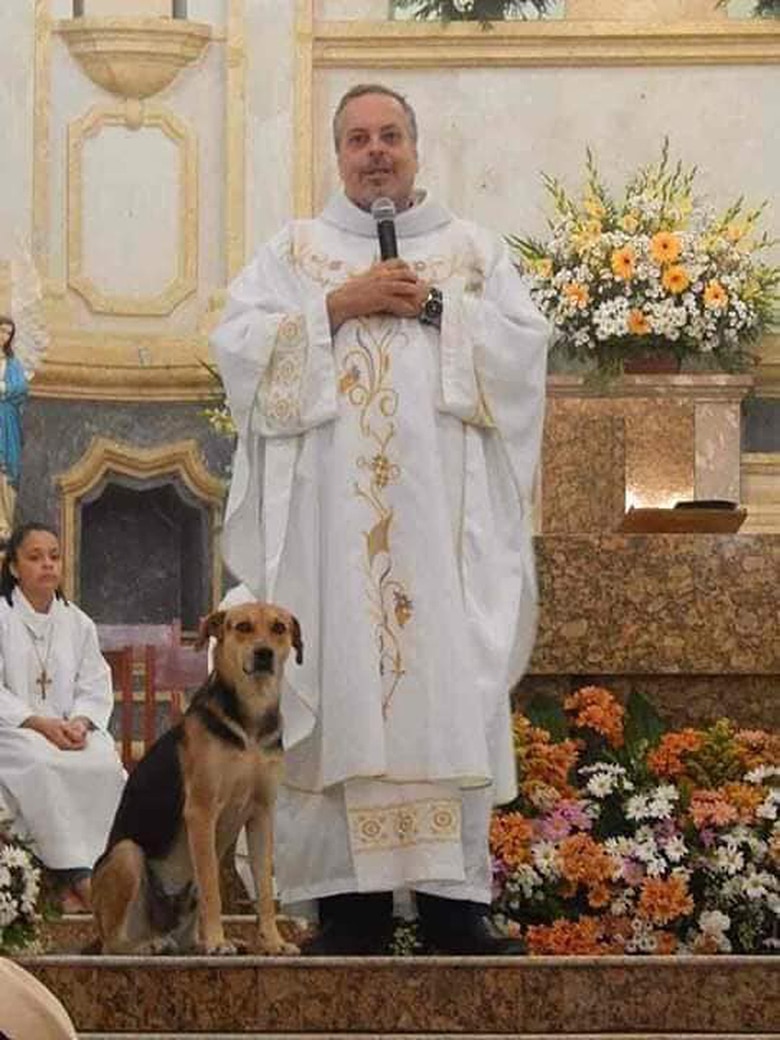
[(264, 659)]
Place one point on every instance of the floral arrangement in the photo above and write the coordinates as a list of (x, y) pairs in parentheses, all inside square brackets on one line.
[(20, 887), (626, 839), (472, 10), (656, 267)]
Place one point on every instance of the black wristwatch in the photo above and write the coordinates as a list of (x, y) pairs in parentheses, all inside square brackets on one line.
[(432, 308)]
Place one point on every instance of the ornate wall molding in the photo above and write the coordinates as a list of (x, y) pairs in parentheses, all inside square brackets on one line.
[(179, 459), (134, 57), (420, 45), (185, 281), (120, 363)]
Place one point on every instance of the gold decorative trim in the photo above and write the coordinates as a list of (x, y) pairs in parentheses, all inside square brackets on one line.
[(105, 456), (303, 115), (41, 157), (134, 57), (235, 132), (760, 473), (186, 280), (420, 45)]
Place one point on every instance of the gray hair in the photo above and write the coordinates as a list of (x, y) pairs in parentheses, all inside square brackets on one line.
[(372, 88)]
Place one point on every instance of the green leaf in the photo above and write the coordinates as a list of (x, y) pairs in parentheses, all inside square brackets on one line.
[(643, 724), (547, 712)]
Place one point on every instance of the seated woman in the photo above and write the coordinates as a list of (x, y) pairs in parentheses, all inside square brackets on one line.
[(59, 771)]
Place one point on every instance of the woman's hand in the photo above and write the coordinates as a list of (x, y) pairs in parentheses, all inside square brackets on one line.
[(66, 735)]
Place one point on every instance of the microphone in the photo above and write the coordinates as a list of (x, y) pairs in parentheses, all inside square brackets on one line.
[(383, 212)]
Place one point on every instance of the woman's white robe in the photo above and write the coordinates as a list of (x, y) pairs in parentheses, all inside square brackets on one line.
[(382, 492), (64, 800)]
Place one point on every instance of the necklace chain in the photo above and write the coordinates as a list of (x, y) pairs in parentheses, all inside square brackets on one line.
[(44, 680)]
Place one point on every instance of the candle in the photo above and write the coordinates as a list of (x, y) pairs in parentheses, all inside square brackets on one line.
[(179, 8)]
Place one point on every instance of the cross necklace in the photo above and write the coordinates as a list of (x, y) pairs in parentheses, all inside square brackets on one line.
[(44, 680)]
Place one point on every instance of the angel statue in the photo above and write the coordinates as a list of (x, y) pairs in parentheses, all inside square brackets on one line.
[(23, 342)]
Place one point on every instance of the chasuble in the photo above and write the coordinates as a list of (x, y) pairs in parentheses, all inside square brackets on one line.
[(382, 491)]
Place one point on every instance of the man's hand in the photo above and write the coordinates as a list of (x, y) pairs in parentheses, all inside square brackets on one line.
[(388, 287), (66, 735)]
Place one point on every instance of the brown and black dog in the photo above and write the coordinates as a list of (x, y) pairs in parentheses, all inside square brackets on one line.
[(156, 887)]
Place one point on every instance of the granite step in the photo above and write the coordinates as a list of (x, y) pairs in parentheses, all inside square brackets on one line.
[(425, 1036), (245, 996)]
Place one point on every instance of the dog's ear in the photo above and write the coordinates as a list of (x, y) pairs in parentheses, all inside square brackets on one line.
[(210, 626), (297, 642)]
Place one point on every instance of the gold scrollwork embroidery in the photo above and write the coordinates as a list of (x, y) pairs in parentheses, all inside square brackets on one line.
[(365, 382), (399, 826), (280, 388), (316, 266)]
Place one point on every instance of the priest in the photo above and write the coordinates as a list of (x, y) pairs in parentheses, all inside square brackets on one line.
[(389, 411)]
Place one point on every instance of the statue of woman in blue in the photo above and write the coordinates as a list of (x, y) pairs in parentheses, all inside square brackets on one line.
[(13, 391)]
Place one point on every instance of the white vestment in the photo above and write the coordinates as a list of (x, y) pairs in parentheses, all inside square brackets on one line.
[(64, 800), (383, 480)]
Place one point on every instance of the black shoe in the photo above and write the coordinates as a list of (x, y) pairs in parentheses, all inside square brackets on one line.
[(356, 924), (457, 926)]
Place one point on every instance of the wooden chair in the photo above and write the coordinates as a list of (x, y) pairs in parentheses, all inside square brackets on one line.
[(166, 668)]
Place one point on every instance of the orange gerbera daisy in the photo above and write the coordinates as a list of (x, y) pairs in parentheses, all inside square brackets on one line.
[(595, 708), (623, 263), (638, 325), (665, 247), (715, 295), (577, 294), (675, 279), (662, 900)]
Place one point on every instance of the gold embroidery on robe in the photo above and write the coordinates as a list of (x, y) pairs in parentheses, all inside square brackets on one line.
[(365, 382), (398, 826), (280, 389)]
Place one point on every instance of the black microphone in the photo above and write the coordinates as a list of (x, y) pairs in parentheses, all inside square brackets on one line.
[(383, 212)]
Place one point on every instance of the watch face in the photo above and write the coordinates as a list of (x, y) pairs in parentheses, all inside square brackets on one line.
[(433, 305)]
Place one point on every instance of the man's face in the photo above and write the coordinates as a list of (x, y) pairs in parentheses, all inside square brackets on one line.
[(376, 154)]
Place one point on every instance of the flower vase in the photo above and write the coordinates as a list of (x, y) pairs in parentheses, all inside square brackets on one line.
[(658, 359)]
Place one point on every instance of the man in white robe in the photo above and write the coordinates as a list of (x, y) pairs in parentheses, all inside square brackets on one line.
[(63, 800), (389, 417)]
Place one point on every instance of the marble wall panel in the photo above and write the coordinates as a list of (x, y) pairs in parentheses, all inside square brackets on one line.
[(717, 450), (659, 450), (703, 604)]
